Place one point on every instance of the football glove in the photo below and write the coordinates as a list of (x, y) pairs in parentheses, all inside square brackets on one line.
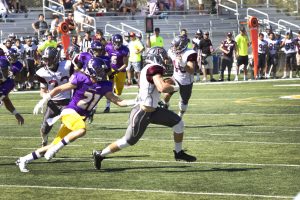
[(41, 104)]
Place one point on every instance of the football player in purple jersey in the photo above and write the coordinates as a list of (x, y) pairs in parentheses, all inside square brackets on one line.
[(89, 87), (119, 55), (147, 110), (7, 72)]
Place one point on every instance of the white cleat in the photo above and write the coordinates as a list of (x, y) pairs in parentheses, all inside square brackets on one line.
[(22, 165), (49, 154)]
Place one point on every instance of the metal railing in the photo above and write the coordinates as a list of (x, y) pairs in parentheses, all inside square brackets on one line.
[(259, 12), (106, 33), (84, 16), (60, 10), (235, 10), (123, 25)]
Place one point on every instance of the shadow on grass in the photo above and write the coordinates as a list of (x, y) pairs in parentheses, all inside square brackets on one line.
[(221, 125), (219, 170)]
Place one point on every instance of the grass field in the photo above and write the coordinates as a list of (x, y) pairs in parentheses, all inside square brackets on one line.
[(246, 139)]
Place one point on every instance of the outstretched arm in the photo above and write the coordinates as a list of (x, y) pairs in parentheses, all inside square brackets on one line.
[(10, 107), (118, 101)]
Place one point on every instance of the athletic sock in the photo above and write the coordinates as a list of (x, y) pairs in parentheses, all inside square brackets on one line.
[(32, 156), (105, 151), (61, 144), (107, 103), (178, 147)]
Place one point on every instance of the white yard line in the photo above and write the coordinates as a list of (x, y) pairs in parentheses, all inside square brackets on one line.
[(147, 191), (115, 159)]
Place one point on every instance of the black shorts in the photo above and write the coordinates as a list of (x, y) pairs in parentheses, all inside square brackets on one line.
[(261, 60), (242, 60)]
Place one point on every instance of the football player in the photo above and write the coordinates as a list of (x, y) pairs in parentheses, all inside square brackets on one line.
[(89, 87), (119, 55), (7, 72), (262, 53), (30, 57), (183, 60), (147, 110), (53, 74)]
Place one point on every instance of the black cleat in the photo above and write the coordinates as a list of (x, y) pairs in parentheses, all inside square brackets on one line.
[(107, 110), (91, 116), (97, 159), (181, 155)]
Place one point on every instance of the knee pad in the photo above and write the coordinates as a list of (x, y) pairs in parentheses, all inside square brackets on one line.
[(178, 128), (182, 106), (122, 143)]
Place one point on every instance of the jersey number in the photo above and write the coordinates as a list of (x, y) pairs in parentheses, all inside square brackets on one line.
[(90, 101)]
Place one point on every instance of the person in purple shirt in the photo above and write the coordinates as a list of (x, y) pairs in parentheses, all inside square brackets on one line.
[(89, 87), (7, 72), (119, 55)]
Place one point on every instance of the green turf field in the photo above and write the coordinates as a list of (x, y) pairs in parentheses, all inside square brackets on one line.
[(246, 139)]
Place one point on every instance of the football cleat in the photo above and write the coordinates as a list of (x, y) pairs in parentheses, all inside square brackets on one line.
[(91, 117), (107, 110), (97, 159), (49, 154), (181, 155), (22, 165)]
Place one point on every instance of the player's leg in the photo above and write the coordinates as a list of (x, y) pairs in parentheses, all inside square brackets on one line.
[(185, 92), (73, 122), (168, 118), (138, 122)]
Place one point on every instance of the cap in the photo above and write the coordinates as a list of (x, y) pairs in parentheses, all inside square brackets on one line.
[(132, 34), (243, 29), (229, 34), (157, 30), (199, 32)]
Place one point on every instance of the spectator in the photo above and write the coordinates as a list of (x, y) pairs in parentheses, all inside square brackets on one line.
[(262, 52), (67, 4), (155, 40), (128, 6), (40, 27), (227, 47), (180, 5), (201, 7), (206, 50), (290, 51), (298, 56), (135, 58), (54, 25), (80, 15), (195, 42), (100, 37), (50, 42), (172, 4), (71, 23), (74, 48), (86, 42), (243, 44), (272, 58), (126, 38), (184, 33), (3, 9)]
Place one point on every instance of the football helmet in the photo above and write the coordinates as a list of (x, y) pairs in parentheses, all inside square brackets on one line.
[(97, 48), (156, 55), (51, 58), (97, 69), (180, 43), (12, 55), (117, 41)]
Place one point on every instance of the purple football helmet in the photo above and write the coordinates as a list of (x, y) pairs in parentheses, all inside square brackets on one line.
[(97, 69), (117, 41), (97, 48), (81, 60), (12, 55)]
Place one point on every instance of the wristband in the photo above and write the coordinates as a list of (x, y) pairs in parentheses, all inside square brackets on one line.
[(14, 112)]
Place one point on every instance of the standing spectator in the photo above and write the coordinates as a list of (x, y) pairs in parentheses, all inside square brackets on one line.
[(290, 51), (185, 33), (135, 58), (262, 52), (71, 24), (74, 48), (3, 9), (128, 6), (183, 60), (50, 42), (147, 111), (195, 42), (40, 27), (180, 5), (67, 4), (86, 42), (30, 57), (126, 39), (227, 47), (80, 15), (100, 37), (298, 56), (272, 58), (155, 40), (243, 44), (201, 7), (206, 49), (54, 25)]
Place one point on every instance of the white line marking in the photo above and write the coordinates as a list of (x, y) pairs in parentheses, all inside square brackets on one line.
[(168, 161), (147, 191), (287, 85), (20, 148), (106, 140), (220, 134), (291, 130), (263, 132)]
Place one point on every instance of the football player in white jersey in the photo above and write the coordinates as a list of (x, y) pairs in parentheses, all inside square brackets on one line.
[(53, 74), (30, 57), (262, 52), (290, 50), (147, 111), (183, 60), (272, 58)]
